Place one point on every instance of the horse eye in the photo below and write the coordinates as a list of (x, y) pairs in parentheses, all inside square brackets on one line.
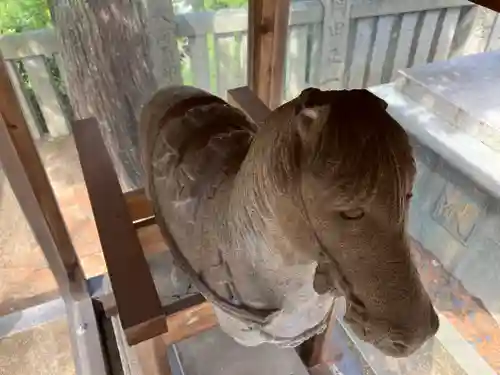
[(409, 196), (354, 214)]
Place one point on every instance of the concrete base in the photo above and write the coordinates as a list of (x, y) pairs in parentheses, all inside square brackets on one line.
[(215, 353), (44, 350)]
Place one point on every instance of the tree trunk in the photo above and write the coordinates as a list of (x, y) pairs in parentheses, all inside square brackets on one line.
[(116, 53)]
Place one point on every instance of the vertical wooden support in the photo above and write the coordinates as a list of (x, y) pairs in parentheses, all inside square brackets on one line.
[(136, 297), (152, 357), (32, 188), (24, 169), (246, 100), (268, 27), (21, 96), (492, 4)]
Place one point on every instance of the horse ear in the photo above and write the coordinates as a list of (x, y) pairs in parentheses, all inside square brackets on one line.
[(310, 109), (305, 120)]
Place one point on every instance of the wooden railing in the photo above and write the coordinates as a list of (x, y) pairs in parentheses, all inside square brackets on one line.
[(331, 44)]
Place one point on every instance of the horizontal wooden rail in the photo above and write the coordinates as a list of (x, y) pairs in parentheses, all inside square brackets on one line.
[(138, 204), (185, 318), (244, 99), (136, 297)]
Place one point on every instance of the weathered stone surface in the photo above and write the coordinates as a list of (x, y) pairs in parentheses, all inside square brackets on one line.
[(462, 91)]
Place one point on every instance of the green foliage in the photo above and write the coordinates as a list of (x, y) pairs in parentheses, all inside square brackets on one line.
[(221, 4), (22, 15)]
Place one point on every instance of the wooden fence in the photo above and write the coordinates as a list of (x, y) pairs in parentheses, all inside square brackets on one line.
[(331, 44)]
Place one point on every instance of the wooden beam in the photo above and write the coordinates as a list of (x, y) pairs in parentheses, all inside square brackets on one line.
[(267, 40), (138, 204), (30, 183), (152, 357), (491, 4), (185, 318), (245, 99), (190, 322), (312, 352), (137, 300)]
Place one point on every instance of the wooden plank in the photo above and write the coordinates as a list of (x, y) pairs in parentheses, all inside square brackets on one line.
[(137, 300), (296, 62), (491, 4), (152, 357), (334, 47), (494, 40), (425, 38), (198, 53), (380, 49), (447, 33), (318, 350), (268, 29), (42, 83), (24, 169), (405, 38), (29, 43), (364, 31), (236, 20), (246, 100), (226, 63), (138, 204), (386, 7), (185, 318), (26, 106), (190, 322)]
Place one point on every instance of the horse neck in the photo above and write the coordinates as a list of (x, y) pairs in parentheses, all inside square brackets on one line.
[(265, 203)]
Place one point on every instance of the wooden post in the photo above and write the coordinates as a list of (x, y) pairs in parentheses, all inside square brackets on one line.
[(492, 4), (267, 39), (152, 357), (26, 106), (28, 178), (243, 98), (135, 293), (30, 183)]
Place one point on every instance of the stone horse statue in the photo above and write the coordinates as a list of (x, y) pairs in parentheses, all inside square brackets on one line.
[(276, 224)]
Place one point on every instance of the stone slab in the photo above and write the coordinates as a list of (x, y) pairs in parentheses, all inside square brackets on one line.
[(215, 353), (462, 91)]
